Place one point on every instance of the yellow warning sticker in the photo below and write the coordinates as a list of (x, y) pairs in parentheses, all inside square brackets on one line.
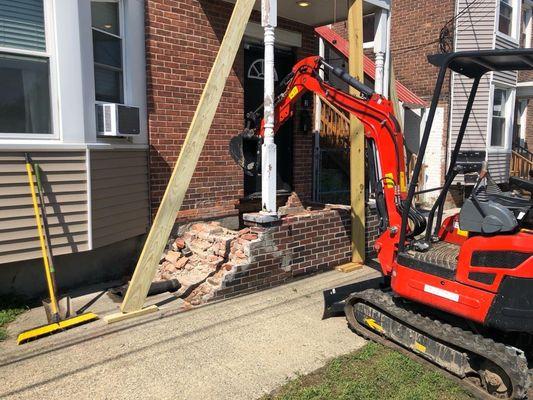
[(374, 325), (420, 347), (293, 92), (389, 180), (460, 232), (403, 184)]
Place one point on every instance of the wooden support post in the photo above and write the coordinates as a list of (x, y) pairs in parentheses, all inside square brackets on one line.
[(188, 158), (357, 140)]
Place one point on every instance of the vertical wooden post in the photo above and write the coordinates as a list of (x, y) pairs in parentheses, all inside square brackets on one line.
[(357, 135), (357, 141), (188, 158)]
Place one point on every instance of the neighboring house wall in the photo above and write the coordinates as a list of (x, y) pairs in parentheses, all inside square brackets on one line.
[(180, 52), (477, 29), (83, 171)]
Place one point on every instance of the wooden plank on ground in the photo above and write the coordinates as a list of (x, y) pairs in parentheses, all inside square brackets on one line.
[(188, 158), (117, 317), (357, 140)]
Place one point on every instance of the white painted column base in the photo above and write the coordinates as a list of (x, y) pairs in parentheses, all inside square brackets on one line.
[(268, 150)]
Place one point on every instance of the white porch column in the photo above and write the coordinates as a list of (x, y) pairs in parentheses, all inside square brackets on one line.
[(268, 158), (380, 51), (388, 59)]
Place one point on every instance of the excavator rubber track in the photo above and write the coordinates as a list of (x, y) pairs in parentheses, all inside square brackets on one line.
[(486, 368)]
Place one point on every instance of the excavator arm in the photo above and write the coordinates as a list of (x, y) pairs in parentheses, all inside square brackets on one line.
[(382, 131)]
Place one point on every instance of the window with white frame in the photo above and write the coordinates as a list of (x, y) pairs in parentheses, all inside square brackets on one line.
[(500, 117), (24, 69), (107, 51), (505, 20)]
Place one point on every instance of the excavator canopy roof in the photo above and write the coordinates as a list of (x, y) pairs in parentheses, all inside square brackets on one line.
[(476, 63)]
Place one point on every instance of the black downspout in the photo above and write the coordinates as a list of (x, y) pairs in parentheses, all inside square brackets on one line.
[(421, 153), (453, 159)]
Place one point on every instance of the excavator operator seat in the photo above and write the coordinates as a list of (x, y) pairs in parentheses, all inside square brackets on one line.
[(489, 210), (486, 216)]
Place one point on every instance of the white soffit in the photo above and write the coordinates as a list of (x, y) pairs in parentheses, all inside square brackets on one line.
[(283, 37), (320, 12)]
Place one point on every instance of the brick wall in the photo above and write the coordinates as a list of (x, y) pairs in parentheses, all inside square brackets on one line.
[(182, 40), (305, 243), (413, 26)]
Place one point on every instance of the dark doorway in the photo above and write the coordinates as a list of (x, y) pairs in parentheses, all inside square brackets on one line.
[(253, 98)]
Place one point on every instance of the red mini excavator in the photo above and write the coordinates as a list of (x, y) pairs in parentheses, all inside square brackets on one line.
[(457, 292)]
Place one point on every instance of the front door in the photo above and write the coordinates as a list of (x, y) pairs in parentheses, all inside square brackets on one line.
[(253, 98)]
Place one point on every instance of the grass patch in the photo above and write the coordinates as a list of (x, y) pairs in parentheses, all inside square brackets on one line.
[(373, 372), (10, 308)]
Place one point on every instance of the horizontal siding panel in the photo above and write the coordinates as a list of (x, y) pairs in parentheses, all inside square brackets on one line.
[(504, 43), (31, 232), (102, 204), (499, 165), (118, 192), (53, 220), (123, 218), (12, 213), (103, 174), (117, 236), (476, 131), (120, 195), (74, 240), (27, 254), (64, 178), (12, 201), (475, 26), (60, 176), (110, 165)]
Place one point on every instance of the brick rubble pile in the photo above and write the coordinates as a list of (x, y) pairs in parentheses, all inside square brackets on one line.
[(203, 258)]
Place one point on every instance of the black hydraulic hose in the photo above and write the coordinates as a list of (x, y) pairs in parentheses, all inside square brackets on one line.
[(350, 80)]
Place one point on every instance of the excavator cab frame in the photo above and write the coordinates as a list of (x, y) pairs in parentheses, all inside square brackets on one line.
[(474, 65)]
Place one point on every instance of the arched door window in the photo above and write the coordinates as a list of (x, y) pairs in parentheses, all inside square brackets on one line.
[(257, 70)]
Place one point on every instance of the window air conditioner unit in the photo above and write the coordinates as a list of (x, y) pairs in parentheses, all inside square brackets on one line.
[(116, 120)]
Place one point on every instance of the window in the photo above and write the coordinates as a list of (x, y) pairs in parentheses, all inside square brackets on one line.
[(369, 23), (525, 27), (107, 51), (369, 29), (24, 69), (499, 117), (505, 21), (520, 125)]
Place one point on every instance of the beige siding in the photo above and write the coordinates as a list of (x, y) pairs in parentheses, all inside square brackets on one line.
[(120, 196), (475, 30), (499, 164), (475, 27), (507, 77), (65, 184)]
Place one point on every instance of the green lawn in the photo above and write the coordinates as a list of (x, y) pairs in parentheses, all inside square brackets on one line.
[(9, 309), (373, 372)]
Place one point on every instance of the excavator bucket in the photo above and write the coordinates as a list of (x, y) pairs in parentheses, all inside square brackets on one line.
[(334, 298), (247, 160)]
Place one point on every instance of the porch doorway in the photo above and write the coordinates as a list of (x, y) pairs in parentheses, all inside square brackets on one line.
[(253, 98)]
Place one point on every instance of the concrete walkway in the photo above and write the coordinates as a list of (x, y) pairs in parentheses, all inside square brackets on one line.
[(237, 349)]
